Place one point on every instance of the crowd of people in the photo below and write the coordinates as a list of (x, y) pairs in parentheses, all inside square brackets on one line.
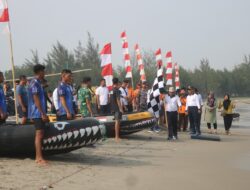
[(177, 108)]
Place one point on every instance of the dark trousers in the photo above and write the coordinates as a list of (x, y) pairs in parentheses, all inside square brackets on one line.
[(172, 123), (199, 120), (130, 107), (228, 118), (104, 109), (194, 119), (209, 125), (183, 121)]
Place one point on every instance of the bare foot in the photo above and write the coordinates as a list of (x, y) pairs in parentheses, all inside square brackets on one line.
[(42, 162), (117, 140)]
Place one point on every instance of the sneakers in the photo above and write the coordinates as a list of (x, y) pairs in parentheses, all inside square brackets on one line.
[(172, 138), (157, 129)]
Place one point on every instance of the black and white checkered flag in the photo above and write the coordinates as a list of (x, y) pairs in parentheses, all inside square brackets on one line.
[(155, 92)]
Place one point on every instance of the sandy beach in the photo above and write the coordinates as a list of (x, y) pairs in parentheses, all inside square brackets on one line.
[(143, 161)]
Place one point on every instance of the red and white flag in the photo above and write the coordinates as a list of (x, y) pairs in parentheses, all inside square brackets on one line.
[(4, 12), (169, 69), (177, 76), (158, 58), (140, 63), (126, 55), (106, 64)]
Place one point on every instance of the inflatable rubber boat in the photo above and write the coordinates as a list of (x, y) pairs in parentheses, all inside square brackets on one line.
[(130, 123), (60, 137)]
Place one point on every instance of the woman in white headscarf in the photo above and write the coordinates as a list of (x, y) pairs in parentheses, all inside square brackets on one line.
[(210, 112)]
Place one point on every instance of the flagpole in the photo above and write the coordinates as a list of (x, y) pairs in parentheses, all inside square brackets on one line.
[(12, 66)]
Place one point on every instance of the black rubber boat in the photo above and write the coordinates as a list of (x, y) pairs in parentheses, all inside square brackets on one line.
[(60, 137), (130, 123)]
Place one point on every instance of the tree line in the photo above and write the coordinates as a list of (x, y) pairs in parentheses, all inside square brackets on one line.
[(86, 56)]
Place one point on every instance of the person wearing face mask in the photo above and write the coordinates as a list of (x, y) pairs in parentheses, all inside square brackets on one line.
[(172, 103)]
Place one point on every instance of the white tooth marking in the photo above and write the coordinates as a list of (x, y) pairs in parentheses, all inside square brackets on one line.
[(69, 134), (82, 131), (54, 139), (88, 129), (49, 140), (76, 133), (45, 141), (64, 136), (59, 137), (95, 129)]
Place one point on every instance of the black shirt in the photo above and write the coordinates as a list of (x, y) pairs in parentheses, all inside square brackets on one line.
[(116, 95)]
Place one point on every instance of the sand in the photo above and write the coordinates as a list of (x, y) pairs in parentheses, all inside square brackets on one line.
[(143, 161)]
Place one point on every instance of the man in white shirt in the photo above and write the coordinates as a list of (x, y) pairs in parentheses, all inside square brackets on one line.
[(172, 102), (193, 108), (124, 94), (103, 98), (201, 105)]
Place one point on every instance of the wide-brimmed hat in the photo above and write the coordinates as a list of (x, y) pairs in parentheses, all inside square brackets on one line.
[(171, 89)]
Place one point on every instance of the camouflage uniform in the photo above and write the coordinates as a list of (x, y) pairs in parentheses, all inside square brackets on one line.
[(83, 95)]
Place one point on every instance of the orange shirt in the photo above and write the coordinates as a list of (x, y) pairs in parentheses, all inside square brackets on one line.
[(183, 104), (131, 94)]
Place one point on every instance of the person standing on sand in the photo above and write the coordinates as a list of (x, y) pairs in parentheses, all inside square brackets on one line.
[(117, 108), (210, 112), (172, 103), (103, 98), (3, 106), (22, 99), (141, 99), (124, 94), (227, 107), (201, 105), (65, 94), (85, 97), (183, 118), (37, 110), (192, 110)]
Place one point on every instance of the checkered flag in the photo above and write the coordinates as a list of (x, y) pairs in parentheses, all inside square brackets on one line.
[(155, 92)]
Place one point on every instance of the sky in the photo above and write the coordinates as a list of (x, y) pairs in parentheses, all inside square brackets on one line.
[(192, 29)]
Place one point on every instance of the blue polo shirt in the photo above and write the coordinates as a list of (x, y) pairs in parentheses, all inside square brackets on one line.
[(65, 90), (22, 91), (2, 100), (35, 88)]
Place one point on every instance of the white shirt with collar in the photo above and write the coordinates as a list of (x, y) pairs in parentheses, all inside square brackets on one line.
[(172, 103), (103, 93), (200, 99), (193, 100), (124, 93)]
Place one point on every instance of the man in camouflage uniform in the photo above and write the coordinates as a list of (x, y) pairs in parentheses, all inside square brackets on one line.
[(84, 98)]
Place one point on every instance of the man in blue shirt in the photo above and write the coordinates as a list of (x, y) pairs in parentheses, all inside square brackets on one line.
[(65, 101), (3, 107), (22, 99), (36, 110)]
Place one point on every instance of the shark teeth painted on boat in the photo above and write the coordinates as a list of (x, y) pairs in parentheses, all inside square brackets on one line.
[(66, 140)]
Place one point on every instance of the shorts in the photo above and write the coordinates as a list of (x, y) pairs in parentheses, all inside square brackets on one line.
[(20, 112), (118, 116), (39, 124)]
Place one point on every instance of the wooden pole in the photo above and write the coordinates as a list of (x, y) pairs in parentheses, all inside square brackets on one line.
[(13, 67)]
